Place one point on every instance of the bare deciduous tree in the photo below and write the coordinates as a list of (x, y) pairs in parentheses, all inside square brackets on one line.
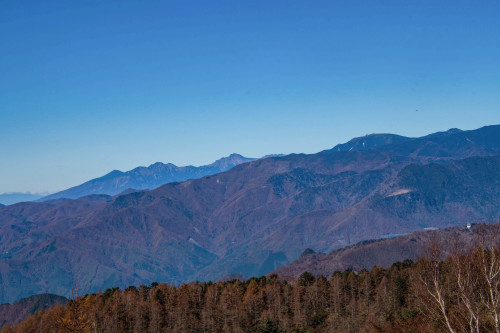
[(429, 274), (75, 319)]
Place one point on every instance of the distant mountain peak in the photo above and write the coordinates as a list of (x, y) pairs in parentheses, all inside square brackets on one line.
[(232, 157), (114, 172), (147, 178), (369, 141), (231, 160), (159, 164), (454, 130)]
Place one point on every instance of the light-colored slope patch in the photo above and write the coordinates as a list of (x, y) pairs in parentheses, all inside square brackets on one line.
[(399, 192)]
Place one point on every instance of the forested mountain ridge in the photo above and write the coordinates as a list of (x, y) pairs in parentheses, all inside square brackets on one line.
[(370, 142), (440, 146), (379, 252), (251, 219)]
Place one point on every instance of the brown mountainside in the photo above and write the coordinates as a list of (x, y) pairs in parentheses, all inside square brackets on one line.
[(379, 252)]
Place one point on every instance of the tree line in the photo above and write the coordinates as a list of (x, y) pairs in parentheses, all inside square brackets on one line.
[(453, 288)]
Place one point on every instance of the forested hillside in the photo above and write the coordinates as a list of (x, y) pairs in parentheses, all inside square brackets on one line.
[(382, 252), (457, 293), (18, 311)]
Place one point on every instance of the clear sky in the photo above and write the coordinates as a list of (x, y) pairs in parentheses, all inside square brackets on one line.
[(91, 86)]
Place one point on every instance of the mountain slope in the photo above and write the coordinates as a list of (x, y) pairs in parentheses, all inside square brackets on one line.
[(142, 178), (248, 220), (381, 252), (18, 311)]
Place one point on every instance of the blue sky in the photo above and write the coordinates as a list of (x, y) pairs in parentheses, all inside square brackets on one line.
[(91, 86)]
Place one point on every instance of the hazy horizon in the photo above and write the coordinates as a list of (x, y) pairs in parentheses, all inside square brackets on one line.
[(90, 87)]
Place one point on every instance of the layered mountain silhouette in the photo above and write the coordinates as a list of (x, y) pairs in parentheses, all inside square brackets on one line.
[(146, 178), (253, 218), (12, 198)]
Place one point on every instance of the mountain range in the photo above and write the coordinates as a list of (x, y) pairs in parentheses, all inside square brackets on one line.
[(146, 178), (140, 178), (253, 218)]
